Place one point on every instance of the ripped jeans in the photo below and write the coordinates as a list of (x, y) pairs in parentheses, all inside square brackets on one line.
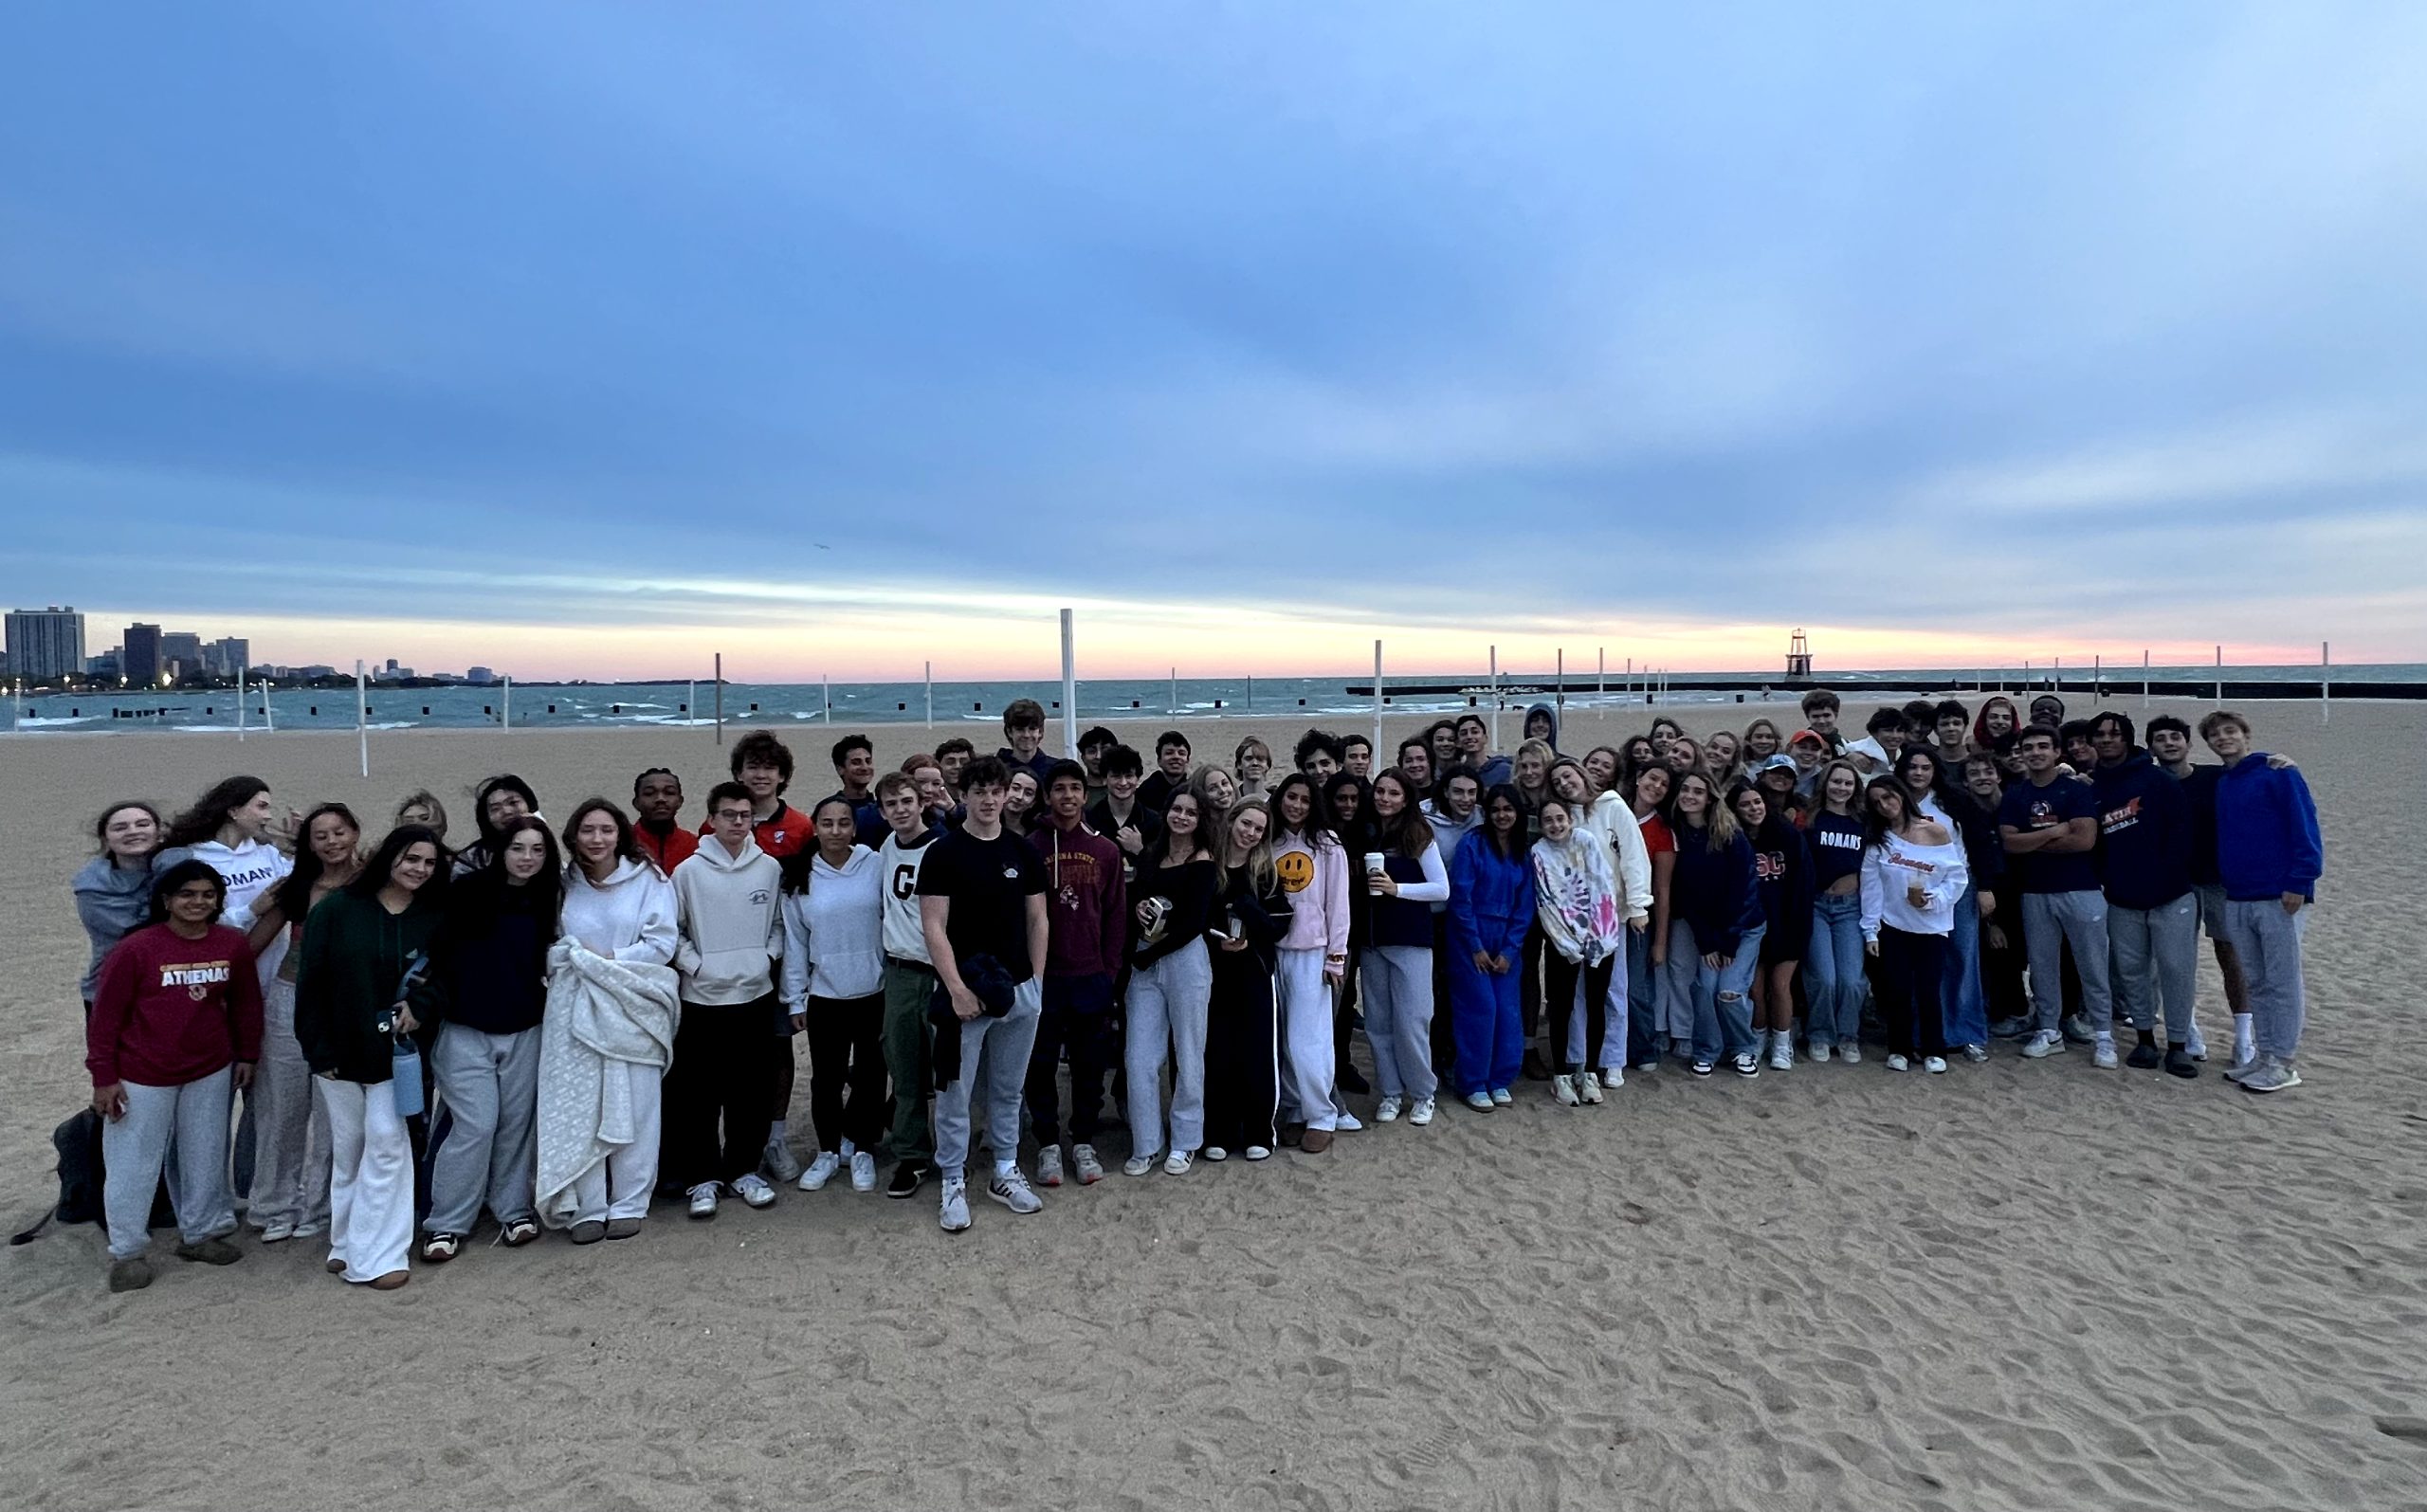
[(1722, 1014)]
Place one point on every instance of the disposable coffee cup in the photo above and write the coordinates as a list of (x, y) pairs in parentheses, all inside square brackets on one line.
[(1372, 860)]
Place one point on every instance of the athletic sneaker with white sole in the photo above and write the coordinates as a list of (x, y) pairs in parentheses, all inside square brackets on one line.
[(820, 1170), (951, 1214), (1049, 1166), (1257, 1152), (1747, 1066), (704, 1200), (1781, 1053), (1387, 1111), (1975, 1053), (1480, 1101), (1563, 1088), (1346, 1122), (2077, 1028), (1422, 1113), (1817, 1053), (1935, 1065), (778, 1161), (2240, 1070), (1142, 1163), (1502, 1096), (2274, 1076), (752, 1189), (1850, 1052), (863, 1171), (1898, 1063), (1215, 1154), (1614, 1077), (1178, 1163), (1083, 1160), (1011, 1189), (2043, 1044), (2102, 1055), (1588, 1089)]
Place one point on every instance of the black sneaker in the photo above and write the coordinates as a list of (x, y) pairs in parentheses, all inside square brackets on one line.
[(907, 1177), (2144, 1058), (2179, 1063)]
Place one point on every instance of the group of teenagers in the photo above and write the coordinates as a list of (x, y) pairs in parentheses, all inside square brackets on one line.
[(978, 946)]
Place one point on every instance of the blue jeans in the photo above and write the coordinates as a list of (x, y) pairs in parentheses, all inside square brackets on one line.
[(1967, 1006), (1722, 1014), (1833, 973), (1643, 1008)]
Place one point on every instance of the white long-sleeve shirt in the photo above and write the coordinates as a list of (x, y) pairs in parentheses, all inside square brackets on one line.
[(1435, 888), (1614, 822), (1896, 864)]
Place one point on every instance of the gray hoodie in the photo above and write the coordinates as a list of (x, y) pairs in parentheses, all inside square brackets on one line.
[(732, 927), (111, 901)]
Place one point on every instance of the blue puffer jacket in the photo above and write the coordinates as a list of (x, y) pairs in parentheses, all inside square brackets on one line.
[(1491, 900)]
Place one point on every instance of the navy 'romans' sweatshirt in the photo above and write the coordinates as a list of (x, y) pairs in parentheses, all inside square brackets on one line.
[(2145, 833), (1713, 891)]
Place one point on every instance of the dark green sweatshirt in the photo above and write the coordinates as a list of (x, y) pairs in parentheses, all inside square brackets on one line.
[(355, 957)]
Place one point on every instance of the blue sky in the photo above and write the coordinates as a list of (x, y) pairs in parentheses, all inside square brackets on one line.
[(584, 339)]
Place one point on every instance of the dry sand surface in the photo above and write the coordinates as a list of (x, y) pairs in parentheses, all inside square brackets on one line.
[(2019, 1286)]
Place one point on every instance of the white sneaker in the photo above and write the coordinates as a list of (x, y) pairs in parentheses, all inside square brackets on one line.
[(1781, 1052), (1502, 1096), (1177, 1163), (1215, 1154), (1422, 1113), (1975, 1053), (1614, 1077), (1480, 1101), (2195, 1043), (2102, 1053), (820, 1170), (277, 1233), (1850, 1051), (752, 1189), (1817, 1052), (1898, 1063), (1257, 1152), (1563, 1088), (704, 1200), (1935, 1065), (2040, 1045), (309, 1229), (1588, 1088), (1049, 1166), (863, 1171), (1346, 1124), (1083, 1159), (1011, 1189), (953, 1213), (1138, 1165), (1387, 1111), (780, 1162)]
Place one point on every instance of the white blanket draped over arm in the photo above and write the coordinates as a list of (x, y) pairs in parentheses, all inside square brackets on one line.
[(599, 1011)]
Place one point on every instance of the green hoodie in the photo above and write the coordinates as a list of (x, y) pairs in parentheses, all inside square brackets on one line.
[(354, 956)]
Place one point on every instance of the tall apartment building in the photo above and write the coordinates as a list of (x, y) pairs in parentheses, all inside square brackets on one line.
[(45, 643)]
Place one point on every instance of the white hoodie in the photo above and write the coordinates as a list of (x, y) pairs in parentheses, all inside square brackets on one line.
[(834, 931), (1615, 822), (732, 930), (630, 917), (1895, 864), (247, 874)]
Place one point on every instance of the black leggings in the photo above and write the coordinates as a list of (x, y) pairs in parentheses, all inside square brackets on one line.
[(1560, 977), (1911, 984), (847, 1053)]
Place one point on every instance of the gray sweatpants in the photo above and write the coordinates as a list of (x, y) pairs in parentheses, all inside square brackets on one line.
[(2156, 956), (1397, 981), (2269, 942), (291, 1133), (996, 1049), (135, 1147), (2050, 919), (491, 1083), (1168, 1004)]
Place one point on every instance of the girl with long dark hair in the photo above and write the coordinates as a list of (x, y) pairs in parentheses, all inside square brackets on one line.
[(1492, 907), (1577, 905), (485, 993), (1348, 809), (1404, 874), (1649, 1001), (362, 945), (495, 801), (1913, 872), (290, 1193), (1715, 895), (611, 978), (1936, 792), (1309, 960), (114, 889), (1834, 983), (1782, 868), (834, 986), (1171, 986)]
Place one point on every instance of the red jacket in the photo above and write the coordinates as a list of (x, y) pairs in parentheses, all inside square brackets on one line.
[(169, 1011), (785, 833), (674, 850)]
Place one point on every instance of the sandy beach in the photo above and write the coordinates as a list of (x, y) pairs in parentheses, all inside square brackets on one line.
[(2020, 1286)]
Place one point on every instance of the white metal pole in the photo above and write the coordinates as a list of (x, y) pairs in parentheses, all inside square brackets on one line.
[(719, 691), (2220, 674), (1070, 688), (2324, 682), (931, 695), (508, 705), (268, 723), (1174, 704), (826, 696), (362, 716), (1600, 672), (2145, 676), (1377, 701), (2097, 677), (240, 705), (1559, 685), (691, 702), (1495, 700)]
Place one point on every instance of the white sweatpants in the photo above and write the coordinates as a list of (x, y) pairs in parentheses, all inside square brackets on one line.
[(290, 1133), (619, 1185), (370, 1182), (1309, 1089)]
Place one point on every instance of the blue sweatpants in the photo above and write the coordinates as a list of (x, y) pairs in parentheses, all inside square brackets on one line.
[(1490, 1025)]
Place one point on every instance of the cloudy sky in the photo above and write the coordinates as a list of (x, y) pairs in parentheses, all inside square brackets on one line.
[(588, 338)]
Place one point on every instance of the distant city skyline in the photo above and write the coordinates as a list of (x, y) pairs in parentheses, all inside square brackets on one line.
[(590, 341)]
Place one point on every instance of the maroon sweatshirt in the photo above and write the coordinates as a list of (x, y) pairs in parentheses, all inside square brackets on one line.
[(1087, 902), (169, 1011)]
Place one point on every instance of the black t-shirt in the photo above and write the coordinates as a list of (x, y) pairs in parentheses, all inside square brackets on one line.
[(990, 882)]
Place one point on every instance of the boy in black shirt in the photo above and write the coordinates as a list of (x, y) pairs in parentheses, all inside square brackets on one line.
[(982, 906)]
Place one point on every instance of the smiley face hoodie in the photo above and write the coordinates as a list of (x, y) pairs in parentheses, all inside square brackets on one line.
[(732, 929)]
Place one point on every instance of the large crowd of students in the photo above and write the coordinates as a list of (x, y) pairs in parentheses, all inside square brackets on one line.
[(973, 946)]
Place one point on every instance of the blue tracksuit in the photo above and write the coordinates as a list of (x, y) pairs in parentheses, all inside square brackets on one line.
[(1491, 905)]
